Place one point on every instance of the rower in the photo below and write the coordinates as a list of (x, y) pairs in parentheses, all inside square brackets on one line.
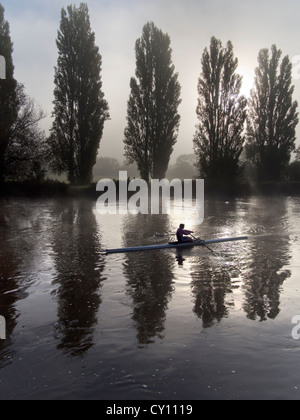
[(182, 234)]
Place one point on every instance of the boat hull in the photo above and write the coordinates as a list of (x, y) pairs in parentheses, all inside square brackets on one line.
[(174, 245)]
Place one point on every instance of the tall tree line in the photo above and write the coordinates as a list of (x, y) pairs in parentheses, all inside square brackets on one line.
[(264, 127), (22, 143), (271, 116), (8, 94), (80, 109), (152, 117), (221, 112)]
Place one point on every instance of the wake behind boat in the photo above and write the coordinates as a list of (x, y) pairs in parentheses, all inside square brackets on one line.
[(174, 245)]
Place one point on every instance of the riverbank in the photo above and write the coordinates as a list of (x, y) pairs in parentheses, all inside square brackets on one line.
[(47, 188), (284, 188), (50, 189)]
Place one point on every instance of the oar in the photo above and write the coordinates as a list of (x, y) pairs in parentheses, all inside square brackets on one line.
[(197, 239)]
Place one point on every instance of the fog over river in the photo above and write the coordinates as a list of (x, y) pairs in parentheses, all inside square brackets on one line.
[(162, 325)]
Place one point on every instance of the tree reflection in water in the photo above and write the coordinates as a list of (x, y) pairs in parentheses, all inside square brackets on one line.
[(79, 265), (259, 264), (150, 278), (210, 286)]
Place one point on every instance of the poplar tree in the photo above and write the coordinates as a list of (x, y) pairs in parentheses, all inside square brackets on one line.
[(8, 93), (80, 109), (152, 116), (273, 116), (221, 112)]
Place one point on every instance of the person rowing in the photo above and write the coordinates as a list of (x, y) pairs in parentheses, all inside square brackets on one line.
[(183, 234)]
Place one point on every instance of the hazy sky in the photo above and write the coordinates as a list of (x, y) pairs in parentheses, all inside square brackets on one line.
[(250, 25)]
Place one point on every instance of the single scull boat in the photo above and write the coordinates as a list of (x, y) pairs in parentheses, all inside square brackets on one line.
[(174, 245)]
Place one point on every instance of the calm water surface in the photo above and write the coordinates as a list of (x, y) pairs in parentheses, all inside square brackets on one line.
[(160, 325)]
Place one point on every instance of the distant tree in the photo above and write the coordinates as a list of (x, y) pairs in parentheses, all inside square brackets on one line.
[(152, 116), (221, 112), (293, 171), (106, 167), (184, 167), (8, 93), (80, 109), (273, 116)]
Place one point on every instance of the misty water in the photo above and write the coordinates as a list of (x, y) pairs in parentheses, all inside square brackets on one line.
[(159, 325)]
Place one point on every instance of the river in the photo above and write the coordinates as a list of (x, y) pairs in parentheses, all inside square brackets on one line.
[(162, 325)]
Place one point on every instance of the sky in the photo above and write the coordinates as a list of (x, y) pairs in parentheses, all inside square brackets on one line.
[(250, 25)]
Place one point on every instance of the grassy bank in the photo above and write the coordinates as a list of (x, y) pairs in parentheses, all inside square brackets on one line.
[(51, 189), (34, 189), (284, 188)]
